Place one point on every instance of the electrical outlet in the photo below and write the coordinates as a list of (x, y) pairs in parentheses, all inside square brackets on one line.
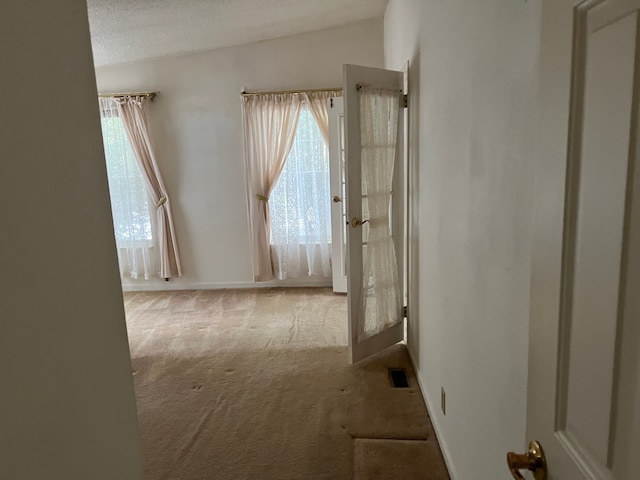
[(443, 400)]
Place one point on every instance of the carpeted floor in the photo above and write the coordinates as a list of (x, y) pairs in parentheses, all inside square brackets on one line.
[(255, 384)]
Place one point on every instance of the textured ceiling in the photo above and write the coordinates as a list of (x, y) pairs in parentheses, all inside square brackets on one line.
[(131, 30)]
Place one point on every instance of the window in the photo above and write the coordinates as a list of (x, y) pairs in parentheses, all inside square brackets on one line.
[(130, 203), (299, 202), (300, 206), (129, 197)]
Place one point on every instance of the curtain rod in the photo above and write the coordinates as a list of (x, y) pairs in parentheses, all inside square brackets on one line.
[(149, 95), (279, 92)]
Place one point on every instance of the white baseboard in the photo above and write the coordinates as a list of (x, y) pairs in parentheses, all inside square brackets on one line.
[(430, 408), (177, 285)]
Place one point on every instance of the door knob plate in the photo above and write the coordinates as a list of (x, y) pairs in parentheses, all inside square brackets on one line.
[(356, 222), (534, 461)]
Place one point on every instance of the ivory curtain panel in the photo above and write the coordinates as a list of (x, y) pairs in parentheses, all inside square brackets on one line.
[(381, 302), (130, 202), (269, 123), (300, 207), (317, 102), (132, 111)]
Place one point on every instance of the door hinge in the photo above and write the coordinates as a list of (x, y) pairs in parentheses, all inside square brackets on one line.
[(405, 101), (404, 312), (331, 102)]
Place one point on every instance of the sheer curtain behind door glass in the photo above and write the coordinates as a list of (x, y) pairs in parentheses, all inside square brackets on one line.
[(381, 301), (130, 204), (300, 206)]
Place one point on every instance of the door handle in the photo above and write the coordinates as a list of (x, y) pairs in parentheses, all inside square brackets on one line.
[(336, 199), (534, 461), (356, 222)]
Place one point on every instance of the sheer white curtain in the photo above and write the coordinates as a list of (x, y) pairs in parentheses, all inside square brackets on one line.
[(134, 224), (379, 109), (300, 206), (132, 112), (269, 123)]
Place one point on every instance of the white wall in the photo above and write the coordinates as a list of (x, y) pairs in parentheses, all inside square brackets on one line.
[(67, 407), (196, 125), (472, 87)]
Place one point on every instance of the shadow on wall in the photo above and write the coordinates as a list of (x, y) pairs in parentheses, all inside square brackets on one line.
[(413, 327)]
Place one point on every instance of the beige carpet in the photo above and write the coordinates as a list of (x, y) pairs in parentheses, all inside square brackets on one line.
[(255, 384), (398, 459)]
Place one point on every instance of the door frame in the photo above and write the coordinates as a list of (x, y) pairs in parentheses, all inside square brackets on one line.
[(337, 169)]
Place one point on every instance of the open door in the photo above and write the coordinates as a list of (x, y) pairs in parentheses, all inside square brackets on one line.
[(374, 126), (337, 167), (584, 337)]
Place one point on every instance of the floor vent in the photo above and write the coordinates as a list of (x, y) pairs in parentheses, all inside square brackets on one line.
[(398, 377)]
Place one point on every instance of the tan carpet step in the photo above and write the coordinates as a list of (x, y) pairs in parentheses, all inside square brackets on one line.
[(378, 459)]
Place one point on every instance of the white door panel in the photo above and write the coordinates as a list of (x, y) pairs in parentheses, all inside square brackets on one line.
[(356, 208), (584, 404), (599, 193)]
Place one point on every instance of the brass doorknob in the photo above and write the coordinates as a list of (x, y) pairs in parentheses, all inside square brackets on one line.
[(356, 222), (534, 461), (336, 199)]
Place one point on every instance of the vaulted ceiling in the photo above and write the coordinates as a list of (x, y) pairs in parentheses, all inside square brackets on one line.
[(132, 30)]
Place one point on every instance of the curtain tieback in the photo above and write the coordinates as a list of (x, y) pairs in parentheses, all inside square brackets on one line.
[(161, 201), (262, 198)]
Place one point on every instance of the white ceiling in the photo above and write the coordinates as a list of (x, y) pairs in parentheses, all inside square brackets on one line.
[(131, 30)]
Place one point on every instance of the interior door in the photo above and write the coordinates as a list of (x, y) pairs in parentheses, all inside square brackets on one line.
[(364, 226), (338, 193), (584, 375)]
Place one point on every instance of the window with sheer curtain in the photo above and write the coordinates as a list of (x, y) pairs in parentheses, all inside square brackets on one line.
[(130, 204), (300, 206)]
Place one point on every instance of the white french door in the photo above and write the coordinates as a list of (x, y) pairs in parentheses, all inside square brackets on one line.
[(584, 361), (375, 218)]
